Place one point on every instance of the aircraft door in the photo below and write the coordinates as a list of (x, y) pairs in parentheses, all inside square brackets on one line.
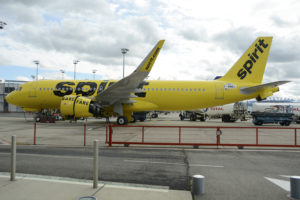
[(32, 90), (219, 91)]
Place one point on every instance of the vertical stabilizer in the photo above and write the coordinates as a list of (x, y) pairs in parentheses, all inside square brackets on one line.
[(251, 66)]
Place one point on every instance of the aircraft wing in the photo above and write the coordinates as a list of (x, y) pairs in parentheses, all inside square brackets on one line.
[(250, 90), (120, 92)]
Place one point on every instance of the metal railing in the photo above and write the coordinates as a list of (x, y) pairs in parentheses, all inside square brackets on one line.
[(203, 136)]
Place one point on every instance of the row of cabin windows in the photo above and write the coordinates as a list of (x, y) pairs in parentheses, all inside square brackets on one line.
[(175, 89), (145, 89), (68, 89)]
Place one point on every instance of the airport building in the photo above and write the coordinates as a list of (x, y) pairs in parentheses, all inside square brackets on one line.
[(5, 88)]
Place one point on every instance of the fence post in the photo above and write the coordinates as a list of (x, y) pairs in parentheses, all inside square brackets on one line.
[(84, 134), (143, 134), (256, 136), (218, 133), (295, 136), (179, 135), (96, 154), (13, 159), (106, 133), (34, 134), (110, 135)]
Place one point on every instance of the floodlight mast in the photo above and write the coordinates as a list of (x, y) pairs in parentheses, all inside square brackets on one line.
[(94, 72), (75, 62), (62, 73), (37, 68), (124, 51)]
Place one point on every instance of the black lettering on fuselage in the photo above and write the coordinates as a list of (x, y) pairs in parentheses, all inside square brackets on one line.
[(79, 89), (62, 89), (102, 86)]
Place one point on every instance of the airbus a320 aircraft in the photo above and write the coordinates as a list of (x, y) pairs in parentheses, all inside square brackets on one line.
[(77, 99)]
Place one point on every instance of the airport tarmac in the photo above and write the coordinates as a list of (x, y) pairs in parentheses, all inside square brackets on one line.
[(231, 173)]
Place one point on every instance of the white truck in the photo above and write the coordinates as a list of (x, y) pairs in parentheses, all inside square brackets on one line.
[(278, 108), (228, 113)]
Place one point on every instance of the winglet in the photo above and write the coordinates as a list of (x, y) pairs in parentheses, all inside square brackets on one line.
[(147, 63)]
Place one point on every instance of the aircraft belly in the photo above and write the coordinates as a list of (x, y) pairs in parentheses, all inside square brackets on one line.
[(140, 106)]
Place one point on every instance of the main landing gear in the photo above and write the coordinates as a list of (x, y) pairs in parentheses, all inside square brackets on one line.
[(122, 120)]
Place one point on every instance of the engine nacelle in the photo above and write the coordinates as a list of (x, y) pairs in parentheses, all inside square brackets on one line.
[(75, 106), (266, 93)]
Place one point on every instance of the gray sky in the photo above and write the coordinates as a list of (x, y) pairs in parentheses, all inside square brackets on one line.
[(203, 38)]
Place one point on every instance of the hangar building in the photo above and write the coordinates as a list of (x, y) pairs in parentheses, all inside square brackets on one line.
[(5, 88)]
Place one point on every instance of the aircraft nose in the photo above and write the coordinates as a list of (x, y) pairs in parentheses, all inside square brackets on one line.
[(10, 98)]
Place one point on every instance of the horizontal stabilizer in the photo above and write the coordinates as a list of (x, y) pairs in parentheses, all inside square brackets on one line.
[(250, 90)]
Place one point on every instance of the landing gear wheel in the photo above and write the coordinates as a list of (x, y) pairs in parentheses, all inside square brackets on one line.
[(154, 115), (193, 117), (181, 117), (122, 120), (133, 119)]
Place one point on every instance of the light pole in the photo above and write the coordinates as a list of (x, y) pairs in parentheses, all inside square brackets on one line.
[(124, 51), (94, 72), (62, 74), (2, 24), (75, 63), (37, 68)]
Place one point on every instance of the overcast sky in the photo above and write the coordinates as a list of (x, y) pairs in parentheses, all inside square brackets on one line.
[(203, 38)]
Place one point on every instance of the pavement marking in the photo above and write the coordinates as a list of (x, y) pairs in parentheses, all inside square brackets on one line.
[(281, 183), (4, 142), (53, 179), (169, 163), (49, 156), (56, 179), (199, 165), (296, 150)]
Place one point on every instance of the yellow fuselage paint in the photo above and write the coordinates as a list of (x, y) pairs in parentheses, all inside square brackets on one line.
[(160, 95)]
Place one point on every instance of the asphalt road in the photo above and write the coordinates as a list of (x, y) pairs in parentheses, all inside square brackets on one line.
[(230, 174)]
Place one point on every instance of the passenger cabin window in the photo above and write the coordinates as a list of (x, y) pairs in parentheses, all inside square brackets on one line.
[(102, 86), (110, 83)]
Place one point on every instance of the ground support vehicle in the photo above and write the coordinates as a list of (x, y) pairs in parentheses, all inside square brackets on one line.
[(260, 118), (193, 116)]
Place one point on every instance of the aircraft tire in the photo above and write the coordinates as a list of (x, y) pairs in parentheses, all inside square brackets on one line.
[(133, 119), (122, 120), (154, 115), (181, 117), (193, 117)]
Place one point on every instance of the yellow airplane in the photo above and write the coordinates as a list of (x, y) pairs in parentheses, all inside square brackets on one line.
[(77, 99)]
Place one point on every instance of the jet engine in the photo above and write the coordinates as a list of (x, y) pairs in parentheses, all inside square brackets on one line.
[(75, 106), (266, 93)]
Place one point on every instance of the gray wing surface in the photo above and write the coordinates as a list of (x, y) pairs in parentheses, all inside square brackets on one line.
[(250, 90), (120, 92)]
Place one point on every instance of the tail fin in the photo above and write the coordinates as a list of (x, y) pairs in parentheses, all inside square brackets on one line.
[(251, 66)]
